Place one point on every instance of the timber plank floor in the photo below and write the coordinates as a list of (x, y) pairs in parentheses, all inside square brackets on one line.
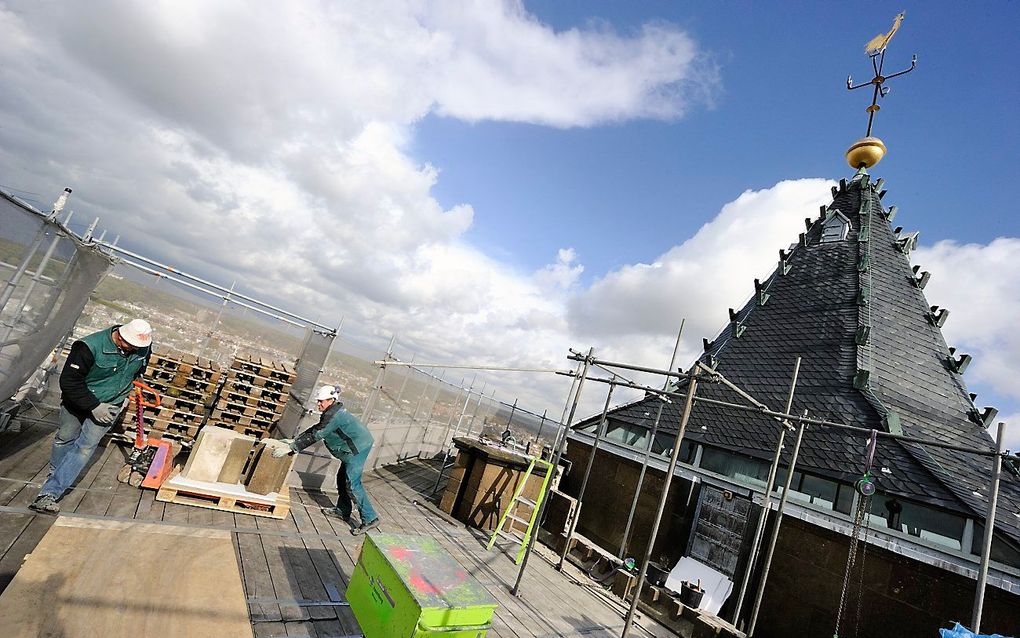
[(295, 571)]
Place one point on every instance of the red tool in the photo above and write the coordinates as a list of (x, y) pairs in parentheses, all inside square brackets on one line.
[(150, 462)]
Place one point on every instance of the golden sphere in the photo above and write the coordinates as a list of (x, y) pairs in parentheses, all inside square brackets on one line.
[(865, 152)]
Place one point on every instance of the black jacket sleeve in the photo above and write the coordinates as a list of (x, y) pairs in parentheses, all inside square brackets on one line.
[(75, 394)]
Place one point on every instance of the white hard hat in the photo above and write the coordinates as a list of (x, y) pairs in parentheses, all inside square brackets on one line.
[(137, 332), (327, 392)]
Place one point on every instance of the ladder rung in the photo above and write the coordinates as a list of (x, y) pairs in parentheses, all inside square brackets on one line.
[(526, 501), (514, 537), (518, 519)]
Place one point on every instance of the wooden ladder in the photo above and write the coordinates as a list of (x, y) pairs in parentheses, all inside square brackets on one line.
[(512, 513)]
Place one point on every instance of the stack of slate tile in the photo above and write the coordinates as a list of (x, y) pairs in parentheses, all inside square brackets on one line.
[(253, 396), (186, 383)]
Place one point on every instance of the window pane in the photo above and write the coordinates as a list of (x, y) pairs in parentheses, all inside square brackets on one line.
[(922, 521), (740, 467), (844, 499)]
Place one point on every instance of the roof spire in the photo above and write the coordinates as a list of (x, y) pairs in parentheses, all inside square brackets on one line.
[(868, 151)]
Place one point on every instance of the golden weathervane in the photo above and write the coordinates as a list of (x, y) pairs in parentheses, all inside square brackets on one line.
[(868, 151)]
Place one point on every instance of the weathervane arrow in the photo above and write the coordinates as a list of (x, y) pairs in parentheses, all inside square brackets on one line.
[(876, 51)]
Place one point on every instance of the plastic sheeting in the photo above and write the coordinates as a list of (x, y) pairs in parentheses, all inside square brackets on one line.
[(46, 277), (959, 631)]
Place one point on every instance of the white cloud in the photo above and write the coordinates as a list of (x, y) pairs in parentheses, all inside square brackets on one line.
[(1011, 436), (268, 142), (979, 284), (706, 274)]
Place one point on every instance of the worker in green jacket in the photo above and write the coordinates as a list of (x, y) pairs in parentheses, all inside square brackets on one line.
[(94, 387), (349, 440)]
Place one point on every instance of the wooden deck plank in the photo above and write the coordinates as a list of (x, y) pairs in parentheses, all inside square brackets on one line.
[(285, 580), (23, 455), (339, 556), (97, 498), (275, 567)]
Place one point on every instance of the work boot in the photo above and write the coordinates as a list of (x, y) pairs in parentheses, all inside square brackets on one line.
[(364, 527), (333, 512), (45, 504)]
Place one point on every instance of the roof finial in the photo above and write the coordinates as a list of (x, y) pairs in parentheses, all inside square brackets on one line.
[(868, 151)]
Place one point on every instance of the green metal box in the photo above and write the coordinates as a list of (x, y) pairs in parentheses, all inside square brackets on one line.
[(410, 587)]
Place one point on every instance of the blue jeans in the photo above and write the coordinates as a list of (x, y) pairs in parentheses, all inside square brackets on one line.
[(73, 447), (348, 483)]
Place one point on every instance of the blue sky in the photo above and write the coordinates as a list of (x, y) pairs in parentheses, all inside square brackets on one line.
[(625, 192), (497, 182)]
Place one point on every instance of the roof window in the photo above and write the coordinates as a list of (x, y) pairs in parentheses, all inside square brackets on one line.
[(835, 228)]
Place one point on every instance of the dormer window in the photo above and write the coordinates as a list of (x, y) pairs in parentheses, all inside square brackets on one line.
[(835, 228)]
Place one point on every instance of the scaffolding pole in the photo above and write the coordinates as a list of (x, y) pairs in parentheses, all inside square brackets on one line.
[(559, 444), (648, 449), (775, 533), (170, 269), (692, 388), (986, 545), (599, 433), (767, 503), (373, 398), (446, 455)]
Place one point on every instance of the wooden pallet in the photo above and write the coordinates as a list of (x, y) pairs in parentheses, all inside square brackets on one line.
[(209, 497), (259, 366), (255, 411), (232, 419), (237, 386), (187, 394)]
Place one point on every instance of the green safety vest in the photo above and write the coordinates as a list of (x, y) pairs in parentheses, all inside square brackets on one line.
[(112, 373)]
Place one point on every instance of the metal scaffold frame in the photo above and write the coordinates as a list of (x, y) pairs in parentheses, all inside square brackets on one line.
[(699, 372)]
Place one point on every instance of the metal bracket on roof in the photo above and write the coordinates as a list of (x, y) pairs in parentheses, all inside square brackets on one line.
[(736, 328), (802, 240), (863, 335), (808, 223), (861, 379), (881, 194), (865, 233), (937, 316), (879, 184), (985, 417), (842, 185), (863, 296), (708, 344), (863, 263), (759, 291), (891, 213), (784, 264), (711, 362), (907, 243), (891, 421), (959, 365), (920, 281), (823, 210)]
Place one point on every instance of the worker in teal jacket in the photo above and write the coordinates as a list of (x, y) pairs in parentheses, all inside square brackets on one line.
[(94, 387), (349, 440)]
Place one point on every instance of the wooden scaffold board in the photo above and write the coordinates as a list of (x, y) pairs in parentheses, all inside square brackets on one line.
[(103, 578)]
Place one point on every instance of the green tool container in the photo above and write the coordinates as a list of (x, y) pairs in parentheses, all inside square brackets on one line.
[(410, 587)]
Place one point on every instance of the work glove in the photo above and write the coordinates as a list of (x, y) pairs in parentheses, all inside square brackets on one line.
[(279, 451), (105, 413)]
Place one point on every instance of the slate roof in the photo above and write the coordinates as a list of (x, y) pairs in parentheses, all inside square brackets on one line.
[(815, 307)]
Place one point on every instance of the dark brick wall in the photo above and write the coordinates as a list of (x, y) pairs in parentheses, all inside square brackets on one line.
[(607, 502)]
